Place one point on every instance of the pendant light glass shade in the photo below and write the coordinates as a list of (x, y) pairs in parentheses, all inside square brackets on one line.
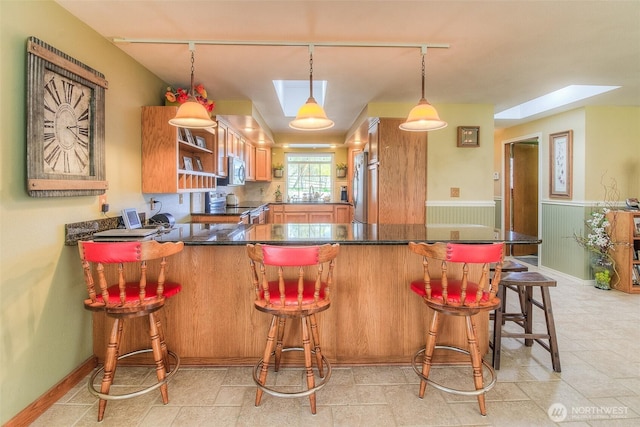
[(192, 114), (423, 117), (311, 115)]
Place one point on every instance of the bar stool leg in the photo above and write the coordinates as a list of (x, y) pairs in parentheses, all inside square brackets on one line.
[(158, 357), (265, 358), (306, 344), (428, 352), (282, 321), (476, 362), (528, 315), (551, 329), (110, 363), (316, 343), (498, 321)]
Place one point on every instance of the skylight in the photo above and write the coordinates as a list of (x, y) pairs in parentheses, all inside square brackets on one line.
[(552, 100), (292, 94)]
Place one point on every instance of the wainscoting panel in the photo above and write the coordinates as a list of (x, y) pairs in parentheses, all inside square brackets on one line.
[(559, 249), (461, 214)]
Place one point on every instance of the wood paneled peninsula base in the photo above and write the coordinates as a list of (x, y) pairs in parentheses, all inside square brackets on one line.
[(374, 318)]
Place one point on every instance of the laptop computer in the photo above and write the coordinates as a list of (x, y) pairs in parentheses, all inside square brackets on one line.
[(133, 230)]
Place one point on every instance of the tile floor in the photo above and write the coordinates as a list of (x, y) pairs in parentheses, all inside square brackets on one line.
[(599, 341)]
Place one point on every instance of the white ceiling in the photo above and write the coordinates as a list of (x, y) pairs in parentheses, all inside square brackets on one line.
[(501, 52)]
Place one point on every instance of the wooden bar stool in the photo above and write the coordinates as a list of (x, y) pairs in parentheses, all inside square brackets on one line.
[(452, 292), (125, 299), (292, 282), (525, 282), (509, 266)]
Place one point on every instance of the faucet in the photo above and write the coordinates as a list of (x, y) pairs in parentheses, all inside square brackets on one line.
[(311, 193)]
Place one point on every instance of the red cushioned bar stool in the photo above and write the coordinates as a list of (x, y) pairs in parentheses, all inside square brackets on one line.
[(448, 288), (126, 299), (292, 282)]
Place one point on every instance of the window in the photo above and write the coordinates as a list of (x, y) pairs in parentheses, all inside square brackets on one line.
[(309, 176)]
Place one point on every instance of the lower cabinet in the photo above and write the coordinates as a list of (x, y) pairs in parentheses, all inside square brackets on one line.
[(309, 213)]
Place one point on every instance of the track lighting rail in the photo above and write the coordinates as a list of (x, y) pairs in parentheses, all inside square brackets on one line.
[(281, 43)]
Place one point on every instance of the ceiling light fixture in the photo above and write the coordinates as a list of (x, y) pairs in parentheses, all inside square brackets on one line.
[(192, 114), (423, 117), (311, 115)]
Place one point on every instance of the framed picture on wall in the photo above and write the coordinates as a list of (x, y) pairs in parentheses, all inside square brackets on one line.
[(560, 164), (198, 163), (188, 163)]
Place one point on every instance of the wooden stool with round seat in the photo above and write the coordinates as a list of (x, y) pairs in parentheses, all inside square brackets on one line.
[(116, 262), (292, 282), (448, 288)]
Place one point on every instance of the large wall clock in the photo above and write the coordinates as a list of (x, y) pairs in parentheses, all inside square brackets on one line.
[(65, 124)]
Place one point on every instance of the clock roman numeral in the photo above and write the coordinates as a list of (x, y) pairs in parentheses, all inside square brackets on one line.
[(49, 136), (68, 91), (53, 156), (81, 158), (84, 131), (78, 100), (67, 167), (48, 123), (84, 115), (53, 91)]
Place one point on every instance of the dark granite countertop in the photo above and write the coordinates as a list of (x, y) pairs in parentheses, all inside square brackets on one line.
[(348, 234)]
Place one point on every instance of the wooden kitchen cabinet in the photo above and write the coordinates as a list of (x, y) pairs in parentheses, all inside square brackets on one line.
[(164, 152), (263, 164), (222, 166), (250, 161), (276, 214), (342, 214), (397, 181), (373, 142), (311, 213)]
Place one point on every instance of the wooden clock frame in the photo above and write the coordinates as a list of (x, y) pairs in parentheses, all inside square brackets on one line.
[(42, 58)]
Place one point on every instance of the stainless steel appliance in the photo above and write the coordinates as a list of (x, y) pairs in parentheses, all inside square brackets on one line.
[(360, 188), (343, 194), (237, 171)]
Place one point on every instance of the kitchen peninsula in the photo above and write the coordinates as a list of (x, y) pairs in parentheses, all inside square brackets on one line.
[(374, 318)]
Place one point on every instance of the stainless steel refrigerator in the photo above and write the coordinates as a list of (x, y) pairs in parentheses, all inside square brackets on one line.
[(360, 188)]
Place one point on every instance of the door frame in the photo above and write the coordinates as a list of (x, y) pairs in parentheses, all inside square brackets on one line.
[(505, 197)]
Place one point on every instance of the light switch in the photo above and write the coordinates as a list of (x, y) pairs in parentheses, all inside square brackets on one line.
[(496, 176)]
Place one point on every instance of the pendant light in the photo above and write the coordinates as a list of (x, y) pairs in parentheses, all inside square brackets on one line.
[(192, 114), (423, 117), (311, 115)]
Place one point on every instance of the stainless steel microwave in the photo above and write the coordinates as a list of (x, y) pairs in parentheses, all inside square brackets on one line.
[(237, 171)]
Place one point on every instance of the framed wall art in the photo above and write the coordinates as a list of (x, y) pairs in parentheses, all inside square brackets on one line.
[(200, 142), (468, 136), (561, 164), (189, 136), (65, 124), (188, 163), (198, 163)]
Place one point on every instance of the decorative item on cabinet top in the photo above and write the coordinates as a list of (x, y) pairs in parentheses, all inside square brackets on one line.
[(65, 124)]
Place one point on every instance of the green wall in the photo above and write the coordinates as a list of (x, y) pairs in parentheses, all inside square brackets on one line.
[(45, 333)]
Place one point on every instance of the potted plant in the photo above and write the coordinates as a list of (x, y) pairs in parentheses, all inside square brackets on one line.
[(278, 170), (597, 239), (341, 170), (278, 194)]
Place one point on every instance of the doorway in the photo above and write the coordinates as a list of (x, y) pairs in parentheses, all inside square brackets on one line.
[(521, 192)]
